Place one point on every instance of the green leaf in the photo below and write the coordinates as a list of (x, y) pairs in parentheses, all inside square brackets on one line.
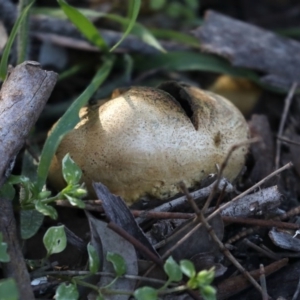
[(84, 25), (55, 240), (94, 261), (187, 268), (8, 289), (75, 201), (77, 192), (4, 257), (44, 195), (145, 293), (68, 121), (45, 209), (67, 292), (31, 221), (138, 29), (71, 172), (172, 269), (205, 277), (118, 263), (12, 36), (134, 8), (167, 34), (208, 292), (192, 61)]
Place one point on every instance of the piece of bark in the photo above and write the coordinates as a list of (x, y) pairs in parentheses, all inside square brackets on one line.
[(257, 203), (22, 98), (16, 267), (249, 46), (263, 151), (118, 212)]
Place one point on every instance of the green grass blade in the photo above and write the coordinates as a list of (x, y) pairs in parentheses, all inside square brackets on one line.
[(5, 55), (176, 36), (84, 25), (68, 122), (133, 12), (192, 61), (139, 30)]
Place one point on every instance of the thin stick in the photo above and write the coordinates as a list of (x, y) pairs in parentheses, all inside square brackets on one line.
[(261, 250), (263, 283), (295, 297), (287, 104), (287, 166), (261, 222), (285, 139), (218, 241), (106, 274), (144, 250), (223, 166)]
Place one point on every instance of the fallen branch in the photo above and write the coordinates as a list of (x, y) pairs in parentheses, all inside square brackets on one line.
[(22, 98)]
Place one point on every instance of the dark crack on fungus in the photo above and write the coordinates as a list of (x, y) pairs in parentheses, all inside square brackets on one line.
[(176, 90)]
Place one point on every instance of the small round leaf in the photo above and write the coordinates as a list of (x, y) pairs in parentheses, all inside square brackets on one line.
[(187, 268), (118, 262), (71, 172), (75, 201), (208, 292), (65, 292), (145, 293), (55, 239), (94, 261), (205, 277), (172, 269), (46, 210)]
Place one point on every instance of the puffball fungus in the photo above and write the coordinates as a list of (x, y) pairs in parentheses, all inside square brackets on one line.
[(145, 141)]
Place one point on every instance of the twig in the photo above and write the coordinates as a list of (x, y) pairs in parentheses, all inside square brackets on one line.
[(224, 206), (223, 166), (294, 211), (107, 274), (287, 104), (287, 166), (23, 96), (219, 243), (286, 140), (16, 267), (200, 195), (234, 285), (91, 205), (261, 223), (263, 283), (157, 260), (261, 201), (259, 249), (136, 243), (295, 297)]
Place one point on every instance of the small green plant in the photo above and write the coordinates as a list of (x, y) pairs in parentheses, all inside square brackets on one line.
[(200, 281), (197, 281)]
